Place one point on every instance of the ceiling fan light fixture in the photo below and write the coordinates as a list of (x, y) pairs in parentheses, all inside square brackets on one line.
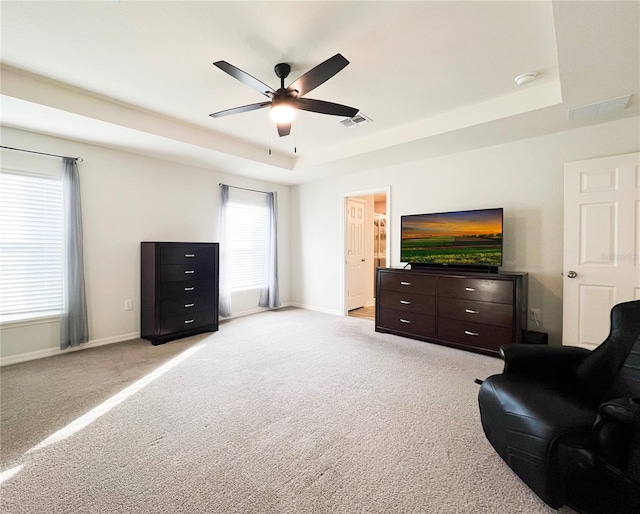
[(282, 113)]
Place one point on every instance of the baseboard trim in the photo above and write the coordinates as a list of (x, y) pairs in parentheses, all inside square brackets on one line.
[(50, 352), (245, 313), (254, 311), (317, 309)]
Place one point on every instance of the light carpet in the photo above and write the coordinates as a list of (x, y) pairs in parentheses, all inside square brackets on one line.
[(280, 412)]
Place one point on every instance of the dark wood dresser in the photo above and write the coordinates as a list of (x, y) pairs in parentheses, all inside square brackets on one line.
[(473, 311), (179, 290)]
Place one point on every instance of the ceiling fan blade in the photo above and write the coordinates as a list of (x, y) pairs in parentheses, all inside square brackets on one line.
[(238, 110), (284, 129), (245, 78), (307, 104), (321, 73)]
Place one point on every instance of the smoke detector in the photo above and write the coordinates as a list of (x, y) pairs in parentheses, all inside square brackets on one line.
[(526, 78), (358, 119)]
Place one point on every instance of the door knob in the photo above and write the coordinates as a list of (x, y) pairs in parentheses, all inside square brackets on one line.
[(571, 274)]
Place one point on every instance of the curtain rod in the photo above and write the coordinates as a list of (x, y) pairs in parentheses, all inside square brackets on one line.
[(79, 159), (245, 188)]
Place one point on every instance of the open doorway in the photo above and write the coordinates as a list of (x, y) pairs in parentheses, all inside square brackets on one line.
[(366, 247)]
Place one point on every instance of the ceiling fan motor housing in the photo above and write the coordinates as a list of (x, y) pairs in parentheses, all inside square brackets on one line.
[(282, 70)]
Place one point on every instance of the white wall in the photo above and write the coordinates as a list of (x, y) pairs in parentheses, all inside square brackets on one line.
[(523, 177), (129, 198), (126, 199)]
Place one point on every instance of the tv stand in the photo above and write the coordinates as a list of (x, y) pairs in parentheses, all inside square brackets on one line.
[(472, 311)]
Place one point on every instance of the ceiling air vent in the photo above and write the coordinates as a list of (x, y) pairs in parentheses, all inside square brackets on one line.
[(589, 112), (358, 119)]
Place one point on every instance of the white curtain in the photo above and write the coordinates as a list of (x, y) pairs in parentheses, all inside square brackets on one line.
[(225, 294), (73, 320), (269, 296)]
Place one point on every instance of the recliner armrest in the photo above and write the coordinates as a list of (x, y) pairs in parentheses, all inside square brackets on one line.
[(625, 411), (546, 361), (617, 435)]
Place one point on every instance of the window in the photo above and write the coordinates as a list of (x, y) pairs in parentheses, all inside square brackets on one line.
[(31, 242), (248, 233)]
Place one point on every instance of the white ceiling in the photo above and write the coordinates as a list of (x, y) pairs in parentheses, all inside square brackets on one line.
[(435, 77)]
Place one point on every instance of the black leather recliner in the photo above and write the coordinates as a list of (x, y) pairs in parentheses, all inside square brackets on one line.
[(603, 475), (564, 418)]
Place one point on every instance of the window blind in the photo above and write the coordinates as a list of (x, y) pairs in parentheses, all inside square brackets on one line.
[(248, 227), (31, 243)]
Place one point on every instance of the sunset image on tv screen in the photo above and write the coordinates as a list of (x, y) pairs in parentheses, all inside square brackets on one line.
[(466, 237)]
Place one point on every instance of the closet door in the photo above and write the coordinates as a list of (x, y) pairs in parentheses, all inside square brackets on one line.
[(601, 244)]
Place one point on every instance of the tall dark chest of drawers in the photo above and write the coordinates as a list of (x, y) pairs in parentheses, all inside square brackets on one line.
[(473, 311), (179, 290)]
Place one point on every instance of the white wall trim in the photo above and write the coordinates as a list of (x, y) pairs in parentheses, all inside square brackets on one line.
[(50, 352), (253, 311), (245, 313), (314, 308)]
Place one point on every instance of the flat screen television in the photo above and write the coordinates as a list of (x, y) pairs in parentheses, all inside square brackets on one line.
[(460, 239)]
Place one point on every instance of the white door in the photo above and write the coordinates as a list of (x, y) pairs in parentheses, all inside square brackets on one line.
[(355, 258), (601, 244)]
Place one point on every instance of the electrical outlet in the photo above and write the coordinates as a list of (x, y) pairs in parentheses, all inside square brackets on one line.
[(535, 315), (128, 305)]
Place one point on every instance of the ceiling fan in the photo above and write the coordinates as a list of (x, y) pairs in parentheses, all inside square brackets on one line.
[(284, 101)]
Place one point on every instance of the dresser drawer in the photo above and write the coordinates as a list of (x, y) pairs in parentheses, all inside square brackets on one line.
[(180, 272), (491, 290), (408, 302), (187, 322), (410, 322), (408, 282), (187, 254), (500, 314), (186, 305), (186, 289), (474, 334)]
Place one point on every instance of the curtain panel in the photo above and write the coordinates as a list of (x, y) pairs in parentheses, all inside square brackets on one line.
[(269, 295), (73, 319), (225, 295)]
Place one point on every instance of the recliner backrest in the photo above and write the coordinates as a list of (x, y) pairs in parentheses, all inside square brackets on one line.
[(596, 372), (626, 383)]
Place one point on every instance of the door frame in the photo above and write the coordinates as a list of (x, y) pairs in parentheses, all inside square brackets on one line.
[(386, 190)]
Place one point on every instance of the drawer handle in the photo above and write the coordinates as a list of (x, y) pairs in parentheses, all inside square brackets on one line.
[(190, 272), (471, 333), (405, 302), (186, 322), (187, 255), (404, 321), (189, 288), (470, 311), (469, 289), (189, 304), (405, 283)]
